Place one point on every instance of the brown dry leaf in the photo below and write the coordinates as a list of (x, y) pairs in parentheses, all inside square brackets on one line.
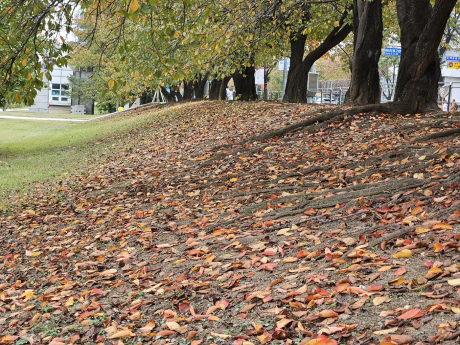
[(380, 300)]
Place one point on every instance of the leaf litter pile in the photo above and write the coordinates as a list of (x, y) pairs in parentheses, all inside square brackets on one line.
[(245, 223)]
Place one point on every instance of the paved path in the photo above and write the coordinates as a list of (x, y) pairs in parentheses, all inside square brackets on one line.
[(58, 119), (41, 118)]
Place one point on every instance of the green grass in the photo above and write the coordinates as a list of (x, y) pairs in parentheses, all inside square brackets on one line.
[(34, 151)]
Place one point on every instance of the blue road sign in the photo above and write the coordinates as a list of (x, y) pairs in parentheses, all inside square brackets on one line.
[(392, 51), (453, 58)]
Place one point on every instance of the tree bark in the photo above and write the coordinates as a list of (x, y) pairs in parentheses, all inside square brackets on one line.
[(214, 89), (368, 29), (169, 96), (245, 84), (297, 80), (422, 27), (188, 90), (199, 84), (223, 87)]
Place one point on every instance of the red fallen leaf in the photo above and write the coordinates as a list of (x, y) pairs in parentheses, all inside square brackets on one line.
[(96, 292), (222, 304), (400, 272), (270, 252), (165, 333), (310, 212), (327, 313), (356, 290), (196, 342), (302, 254), (411, 314), (204, 220), (441, 226), (181, 278), (191, 335), (243, 316), (341, 287), (428, 264), (195, 252), (438, 247), (184, 307), (328, 254), (375, 288), (85, 315), (267, 267)]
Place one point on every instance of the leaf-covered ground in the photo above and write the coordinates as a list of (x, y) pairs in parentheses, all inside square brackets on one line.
[(329, 228)]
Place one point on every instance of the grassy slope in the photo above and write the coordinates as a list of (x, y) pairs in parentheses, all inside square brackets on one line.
[(32, 151)]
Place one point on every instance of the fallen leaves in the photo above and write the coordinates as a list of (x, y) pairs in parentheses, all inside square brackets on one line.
[(167, 237)]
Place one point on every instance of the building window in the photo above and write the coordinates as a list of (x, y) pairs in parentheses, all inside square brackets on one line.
[(59, 92)]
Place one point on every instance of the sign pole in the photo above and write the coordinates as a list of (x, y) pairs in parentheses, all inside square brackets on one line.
[(284, 78)]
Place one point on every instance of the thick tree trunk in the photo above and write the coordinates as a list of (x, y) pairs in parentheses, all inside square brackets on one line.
[(199, 84), (167, 95), (245, 84), (222, 90), (179, 97), (365, 78), (214, 89), (297, 80), (422, 27), (188, 90)]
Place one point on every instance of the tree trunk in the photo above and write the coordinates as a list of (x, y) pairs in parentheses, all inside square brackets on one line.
[(179, 97), (368, 28), (199, 84), (167, 95), (422, 27), (223, 87), (214, 89), (297, 80), (245, 84), (267, 71), (188, 90)]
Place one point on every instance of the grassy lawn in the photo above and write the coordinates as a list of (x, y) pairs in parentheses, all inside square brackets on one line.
[(33, 151)]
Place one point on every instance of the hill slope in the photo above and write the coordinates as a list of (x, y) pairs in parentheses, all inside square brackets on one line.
[(245, 223)]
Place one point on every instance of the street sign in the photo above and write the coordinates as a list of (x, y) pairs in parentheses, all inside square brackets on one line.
[(453, 58), (392, 51), (259, 76), (281, 64), (453, 65)]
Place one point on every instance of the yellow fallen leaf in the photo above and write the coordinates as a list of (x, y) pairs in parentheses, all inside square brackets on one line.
[(222, 336), (454, 282), (455, 310), (234, 179), (126, 333), (386, 331), (283, 232), (405, 253), (268, 148), (433, 272), (69, 302), (419, 231)]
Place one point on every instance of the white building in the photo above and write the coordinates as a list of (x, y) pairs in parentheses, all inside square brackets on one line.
[(55, 98), (450, 72)]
